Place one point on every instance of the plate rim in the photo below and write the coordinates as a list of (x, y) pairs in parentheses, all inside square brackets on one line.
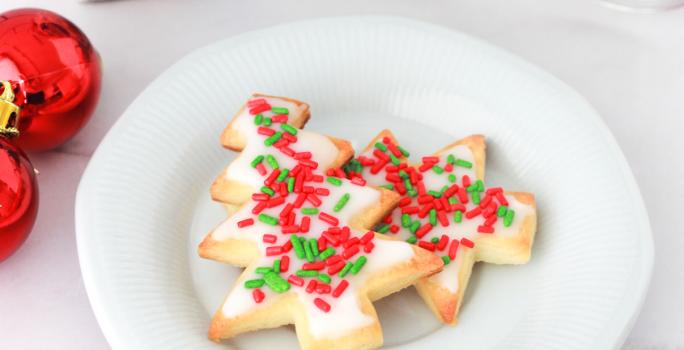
[(613, 337)]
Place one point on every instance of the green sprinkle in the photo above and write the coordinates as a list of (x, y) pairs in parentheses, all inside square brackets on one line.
[(403, 174), (273, 138), (412, 240), (267, 190), (263, 270), (257, 283), (508, 219), (328, 252), (268, 121), (438, 169), (501, 212), (403, 151), (480, 185), (267, 219), (309, 211), (345, 269), (452, 178), (341, 202), (463, 163), (306, 273), (388, 186), (257, 160), (297, 245), (476, 197), (381, 146), (458, 216), (405, 220), (283, 175), (314, 247), (446, 259), (444, 188), (433, 217), (434, 193), (412, 192), (414, 226), (280, 110), (276, 283), (288, 129), (272, 161), (394, 160), (290, 184), (434, 240), (451, 159), (308, 252), (452, 200), (471, 188), (383, 228), (358, 264), (324, 278), (408, 185), (276, 265), (258, 119), (335, 181)]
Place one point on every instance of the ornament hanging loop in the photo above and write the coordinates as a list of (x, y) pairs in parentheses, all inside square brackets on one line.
[(9, 112)]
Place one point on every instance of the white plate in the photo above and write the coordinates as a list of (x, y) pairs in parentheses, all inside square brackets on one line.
[(143, 203)]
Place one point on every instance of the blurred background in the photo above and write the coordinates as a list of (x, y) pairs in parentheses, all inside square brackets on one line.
[(625, 60)]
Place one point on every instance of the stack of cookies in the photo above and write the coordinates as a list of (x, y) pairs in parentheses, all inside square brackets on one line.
[(322, 233)]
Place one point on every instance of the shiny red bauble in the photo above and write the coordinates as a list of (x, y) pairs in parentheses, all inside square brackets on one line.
[(18, 198), (57, 71)]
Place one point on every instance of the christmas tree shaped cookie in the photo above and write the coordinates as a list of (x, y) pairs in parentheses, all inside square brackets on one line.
[(244, 176), (446, 208), (303, 238)]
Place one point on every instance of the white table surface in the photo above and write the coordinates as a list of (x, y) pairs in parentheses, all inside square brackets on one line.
[(629, 66)]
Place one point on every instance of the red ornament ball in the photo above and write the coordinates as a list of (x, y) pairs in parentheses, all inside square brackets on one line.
[(58, 73), (18, 198)]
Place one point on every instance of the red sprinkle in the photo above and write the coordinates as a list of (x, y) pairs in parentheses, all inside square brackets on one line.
[(261, 169), (328, 218), (259, 207), (334, 269), (485, 229), (314, 200), (501, 198), (427, 245), (358, 181), (394, 229), (289, 229), (284, 263), (452, 249), (306, 222), (423, 230), (350, 252), (265, 131), (367, 237), (296, 280), (287, 151), (302, 155), (404, 201), (442, 242), (321, 304), (322, 191), (287, 246), (466, 242), (473, 213), (318, 265), (274, 250), (245, 222), (255, 102), (311, 286), (260, 197), (258, 295), (323, 288), (341, 287), (280, 118), (268, 238), (368, 247)]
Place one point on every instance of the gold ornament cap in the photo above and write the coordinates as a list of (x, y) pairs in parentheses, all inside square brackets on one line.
[(9, 112)]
